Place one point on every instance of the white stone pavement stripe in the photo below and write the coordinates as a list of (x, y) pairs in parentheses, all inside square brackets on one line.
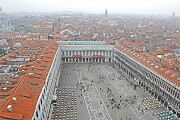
[(83, 95), (87, 105), (125, 91), (119, 93), (135, 93), (101, 99)]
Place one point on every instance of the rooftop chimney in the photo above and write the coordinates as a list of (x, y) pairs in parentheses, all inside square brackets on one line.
[(14, 99), (9, 108), (38, 60), (22, 72), (32, 68), (12, 75), (4, 89), (16, 76), (21, 65), (31, 75)]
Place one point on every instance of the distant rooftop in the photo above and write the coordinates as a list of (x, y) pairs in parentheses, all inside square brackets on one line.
[(27, 83), (82, 42)]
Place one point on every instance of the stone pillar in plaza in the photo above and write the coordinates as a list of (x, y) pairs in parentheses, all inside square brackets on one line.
[(88, 60), (105, 59), (72, 60), (85, 60), (65, 60)]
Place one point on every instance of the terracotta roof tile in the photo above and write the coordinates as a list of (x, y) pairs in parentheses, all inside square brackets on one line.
[(146, 60), (28, 89)]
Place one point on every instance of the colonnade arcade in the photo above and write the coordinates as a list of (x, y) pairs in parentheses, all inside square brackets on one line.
[(87, 56), (137, 79), (83, 60)]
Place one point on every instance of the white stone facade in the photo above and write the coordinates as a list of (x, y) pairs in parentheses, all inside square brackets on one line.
[(44, 102), (86, 53)]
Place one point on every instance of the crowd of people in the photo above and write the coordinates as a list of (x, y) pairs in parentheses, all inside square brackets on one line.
[(113, 102)]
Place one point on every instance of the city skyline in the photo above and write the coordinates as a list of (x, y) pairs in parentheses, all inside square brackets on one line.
[(89, 60), (160, 7)]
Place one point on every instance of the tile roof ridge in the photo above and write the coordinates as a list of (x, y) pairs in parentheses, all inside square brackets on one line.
[(15, 87)]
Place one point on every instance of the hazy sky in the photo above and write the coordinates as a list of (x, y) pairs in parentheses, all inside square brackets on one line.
[(164, 7)]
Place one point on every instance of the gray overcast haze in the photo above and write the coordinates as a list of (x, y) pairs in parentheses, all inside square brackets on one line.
[(155, 7)]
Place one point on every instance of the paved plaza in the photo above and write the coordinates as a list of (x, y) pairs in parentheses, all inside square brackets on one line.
[(100, 92)]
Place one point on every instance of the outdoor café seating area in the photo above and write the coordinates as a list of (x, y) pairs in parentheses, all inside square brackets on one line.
[(150, 103), (165, 115), (66, 106)]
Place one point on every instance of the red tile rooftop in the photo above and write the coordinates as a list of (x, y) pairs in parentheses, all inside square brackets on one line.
[(36, 35), (30, 83), (171, 75), (8, 35), (59, 36)]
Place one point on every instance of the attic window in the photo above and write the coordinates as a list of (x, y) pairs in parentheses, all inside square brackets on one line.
[(156, 66), (42, 65), (144, 59), (178, 78), (141, 57), (33, 83), (27, 95), (148, 61), (167, 72), (173, 75), (162, 69), (48, 56), (152, 64), (138, 55)]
